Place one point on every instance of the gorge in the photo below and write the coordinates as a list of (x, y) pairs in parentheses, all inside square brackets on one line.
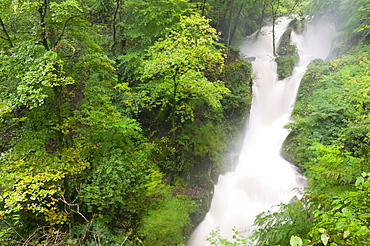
[(262, 178)]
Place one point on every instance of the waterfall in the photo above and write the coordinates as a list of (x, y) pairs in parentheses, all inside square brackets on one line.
[(262, 178)]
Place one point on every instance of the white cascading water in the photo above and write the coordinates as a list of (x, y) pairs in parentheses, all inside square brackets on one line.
[(262, 178)]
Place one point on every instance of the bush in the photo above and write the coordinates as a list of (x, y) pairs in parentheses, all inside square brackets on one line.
[(166, 224)]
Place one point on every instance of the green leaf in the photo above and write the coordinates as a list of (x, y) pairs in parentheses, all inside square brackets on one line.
[(359, 181), (295, 241), (346, 234), (322, 230), (324, 239), (340, 224), (337, 207), (364, 216)]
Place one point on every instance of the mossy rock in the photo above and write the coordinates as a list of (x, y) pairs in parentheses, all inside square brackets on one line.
[(288, 56), (285, 65), (283, 49), (203, 197), (297, 24)]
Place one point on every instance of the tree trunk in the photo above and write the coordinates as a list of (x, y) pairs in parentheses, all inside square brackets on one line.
[(273, 36), (43, 11), (228, 40), (173, 109), (236, 22), (263, 11), (203, 6), (6, 33), (274, 11), (114, 24)]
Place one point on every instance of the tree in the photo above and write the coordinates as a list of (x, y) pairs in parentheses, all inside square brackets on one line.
[(139, 24), (36, 96), (175, 69), (276, 9), (350, 19), (57, 118), (233, 18)]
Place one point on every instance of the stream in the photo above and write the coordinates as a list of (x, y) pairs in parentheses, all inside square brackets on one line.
[(263, 178)]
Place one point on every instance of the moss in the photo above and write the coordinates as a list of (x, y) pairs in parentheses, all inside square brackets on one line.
[(203, 198), (288, 56), (169, 223), (237, 77), (297, 24), (286, 65)]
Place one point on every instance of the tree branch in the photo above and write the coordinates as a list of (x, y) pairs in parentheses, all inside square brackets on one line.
[(70, 205), (12, 228), (6, 33), (63, 31), (115, 27), (42, 11)]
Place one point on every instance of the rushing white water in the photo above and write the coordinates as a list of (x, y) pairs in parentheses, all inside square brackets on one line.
[(262, 177)]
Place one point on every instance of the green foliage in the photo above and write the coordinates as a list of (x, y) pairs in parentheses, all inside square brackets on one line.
[(234, 18), (207, 138), (345, 222), (288, 56), (287, 63), (76, 169), (203, 143), (99, 231), (276, 228), (311, 82), (139, 24), (66, 147), (147, 21), (239, 239), (175, 69), (237, 77), (333, 166), (121, 176), (38, 72), (295, 241), (237, 18), (330, 106), (329, 141), (33, 181), (351, 19), (32, 185), (168, 222)]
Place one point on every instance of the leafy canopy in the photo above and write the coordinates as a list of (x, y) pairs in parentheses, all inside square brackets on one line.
[(175, 68)]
